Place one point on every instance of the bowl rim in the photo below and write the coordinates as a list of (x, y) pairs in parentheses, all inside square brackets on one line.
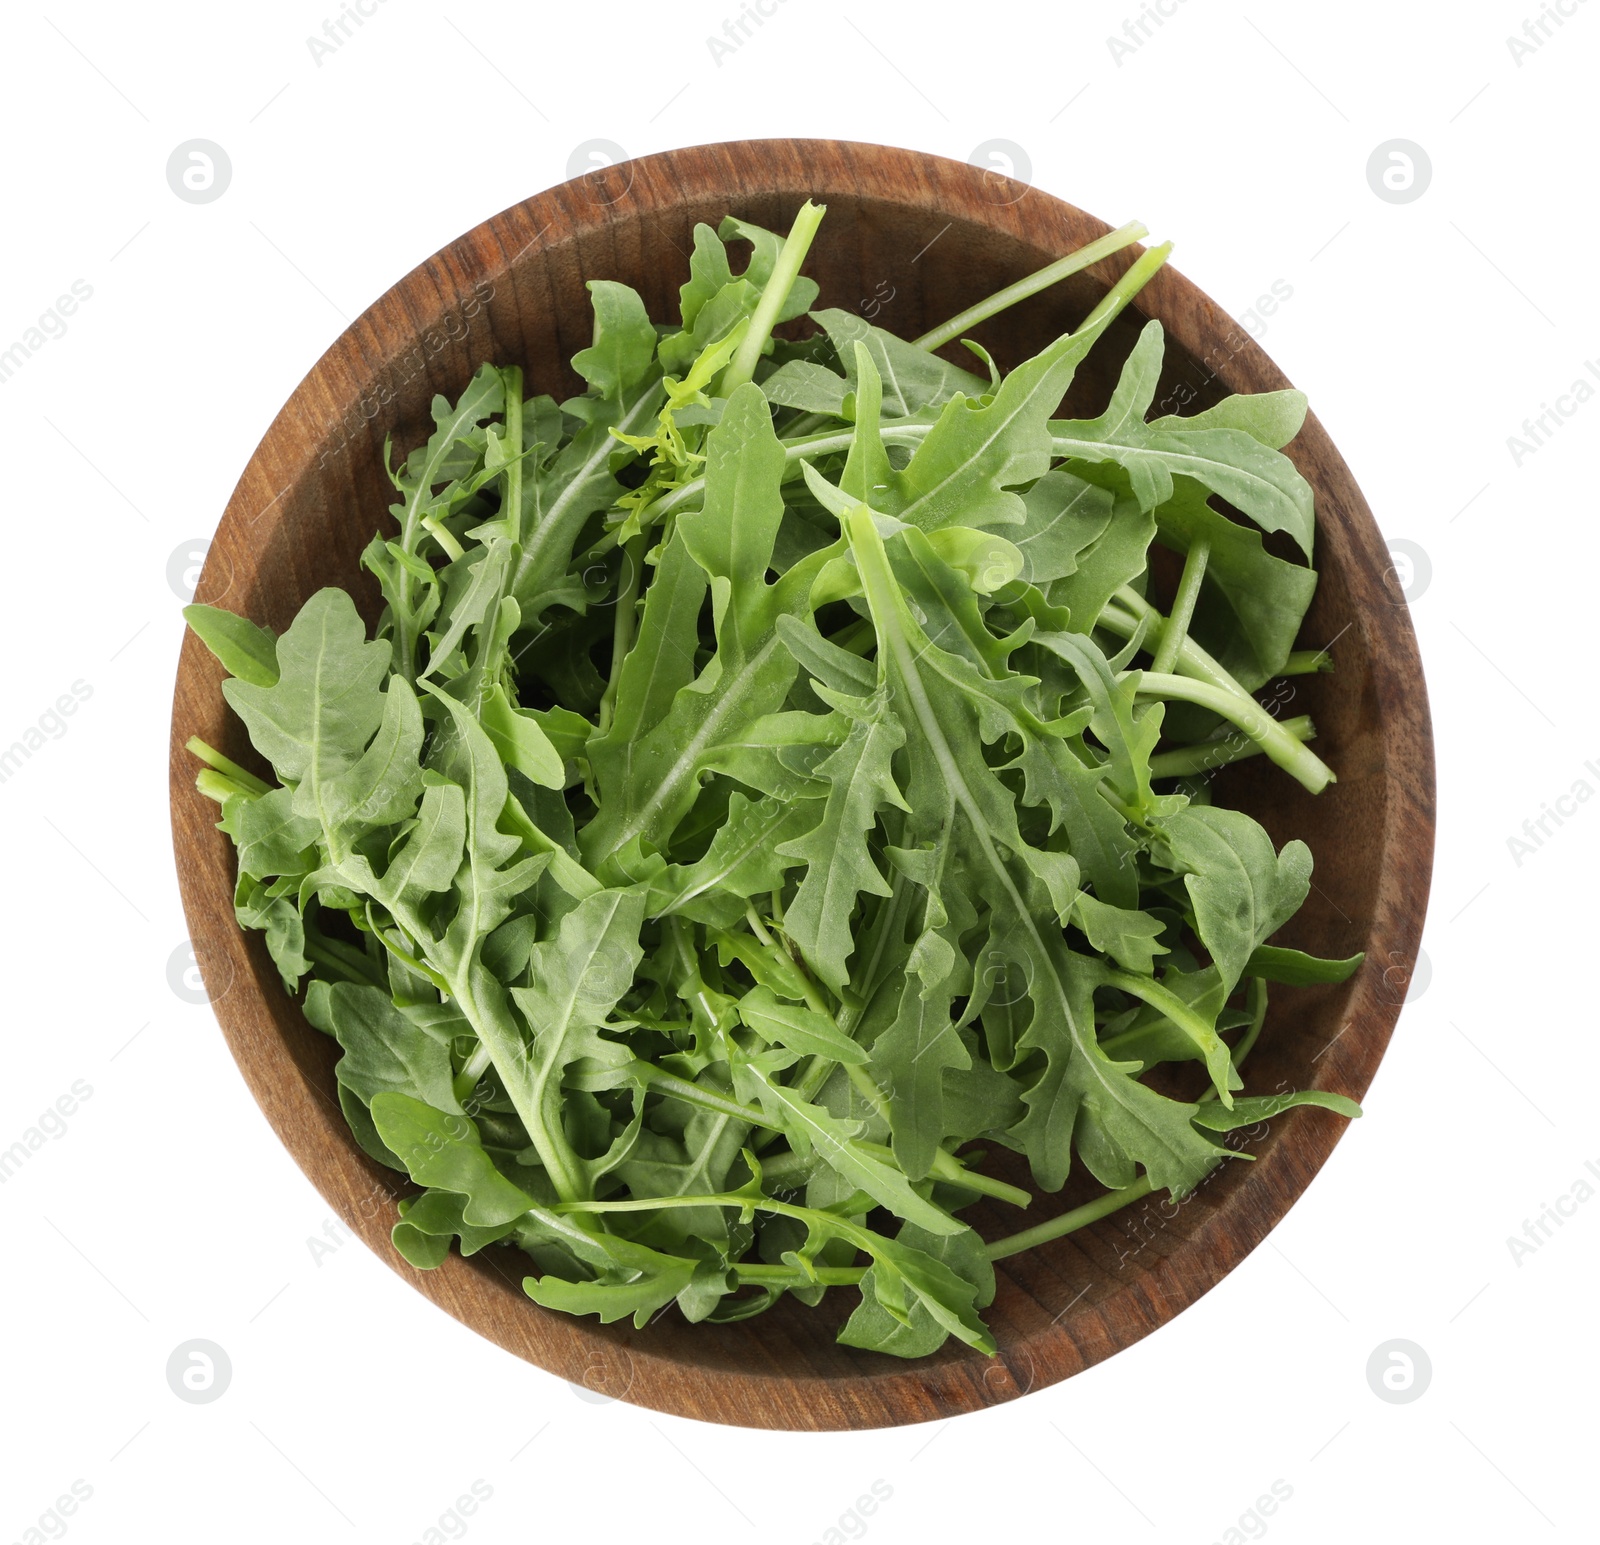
[(608, 1358)]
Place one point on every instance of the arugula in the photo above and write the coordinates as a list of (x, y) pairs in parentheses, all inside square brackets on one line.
[(683, 930)]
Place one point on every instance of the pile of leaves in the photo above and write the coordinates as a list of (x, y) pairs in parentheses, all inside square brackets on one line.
[(762, 789)]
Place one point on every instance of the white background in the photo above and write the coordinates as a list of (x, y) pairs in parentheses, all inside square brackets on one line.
[(1424, 332)]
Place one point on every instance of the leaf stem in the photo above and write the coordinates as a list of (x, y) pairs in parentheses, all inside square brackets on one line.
[(1208, 755), (511, 377), (441, 534), (1041, 279), (1068, 1222), (1293, 756), (1205, 682), (623, 625), (1176, 630), (214, 758), (1307, 662), (1138, 274), (1256, 1001), (784, 272), (756, 1274)]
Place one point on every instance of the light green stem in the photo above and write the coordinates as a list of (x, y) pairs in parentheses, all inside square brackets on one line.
[(1307, 662), (1293, 756), (784, 272), (1041, 279), (623, 625), (1203, 681), (1068, 1222), (1176, 631), (791, 1276), (1208, 755), (1140, 272), (214, 758), (1256, 999)]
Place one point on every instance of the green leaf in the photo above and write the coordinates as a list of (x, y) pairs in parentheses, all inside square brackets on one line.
[(839, 862), (384, 784), (963, 471), (913, 379), (747, 857), (1117, 1121), (576, 979), (576, 484), (315, 721), (443, 1149), (384, 1050), (660, 664), (1063, 517), (640, 1297), (1250, 475), (624, 341), (797, 1029), (1128, 937), (520, 739), (430, 856), (799, 383), (912, 1327), (811, 1128), (243, 649), (731, 539), (271, 839), (1247, 1112), (1128, 732), (1273, 418), (1295, 969), (1242, 891)]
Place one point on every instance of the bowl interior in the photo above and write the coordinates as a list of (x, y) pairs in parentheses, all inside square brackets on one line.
[(908, 240)]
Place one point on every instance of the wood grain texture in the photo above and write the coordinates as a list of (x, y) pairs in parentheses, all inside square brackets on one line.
[(918, 238)]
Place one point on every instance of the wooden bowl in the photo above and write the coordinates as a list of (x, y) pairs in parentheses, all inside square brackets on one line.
[(909, 239)]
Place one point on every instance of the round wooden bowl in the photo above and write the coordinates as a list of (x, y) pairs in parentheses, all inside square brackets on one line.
[(909, 240)]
